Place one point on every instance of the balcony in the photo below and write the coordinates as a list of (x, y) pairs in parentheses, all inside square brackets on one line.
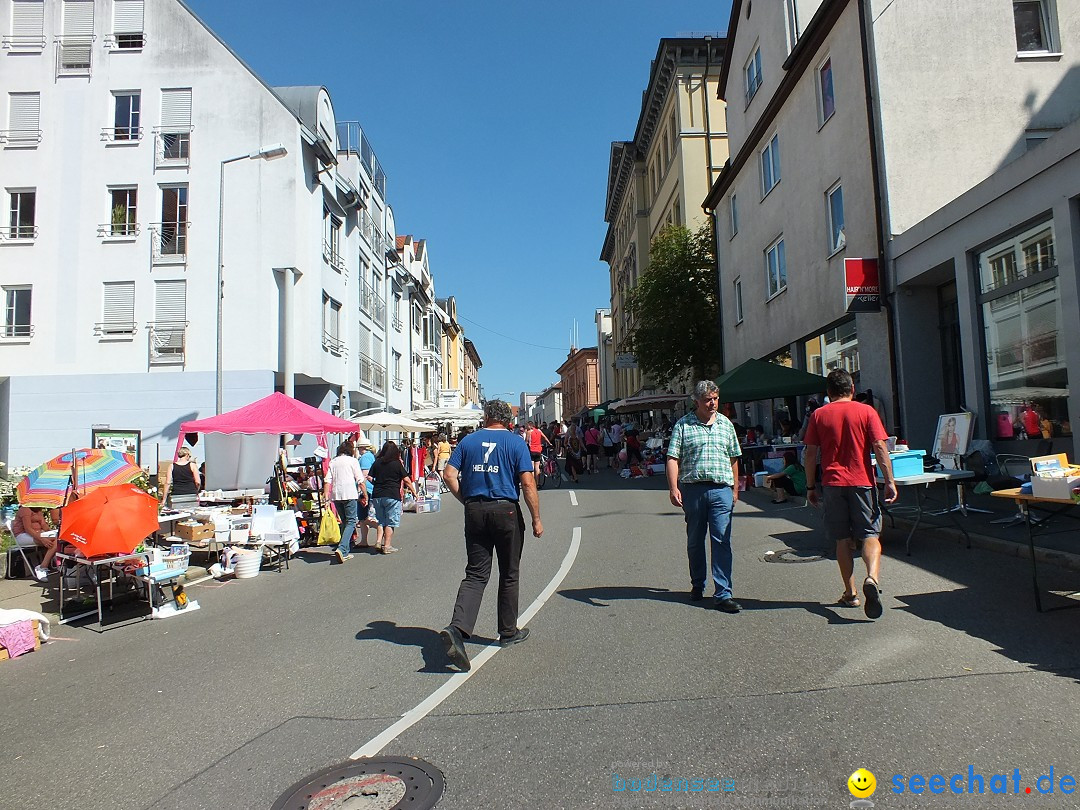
[(372, 374), (132, 135), (73, 56), (16, 332), (372, 304), (172, 148), (168, 342), (118, 230), (19, 233), (334, 345), (169, 242), (333, 258), (13, 138), (115, 329), (398, 383)]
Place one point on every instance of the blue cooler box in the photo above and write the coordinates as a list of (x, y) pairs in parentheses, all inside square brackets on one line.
[(910, 462)]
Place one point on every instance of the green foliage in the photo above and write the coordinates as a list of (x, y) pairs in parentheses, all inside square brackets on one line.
[(674, 307)]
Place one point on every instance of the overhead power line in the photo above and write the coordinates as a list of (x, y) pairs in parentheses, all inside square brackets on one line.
[(515, 340)]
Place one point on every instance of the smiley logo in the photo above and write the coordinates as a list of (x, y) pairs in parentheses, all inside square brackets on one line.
[(862, 784)]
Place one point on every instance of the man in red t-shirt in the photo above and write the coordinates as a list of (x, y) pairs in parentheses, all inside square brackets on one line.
[(843, 434)]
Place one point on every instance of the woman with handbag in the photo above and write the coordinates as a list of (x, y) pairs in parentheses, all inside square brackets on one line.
[(389, 475)]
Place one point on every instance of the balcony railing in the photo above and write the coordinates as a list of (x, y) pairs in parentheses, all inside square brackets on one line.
[(372, 304), (125, 42), (26, 43), (20, 233), (169, 243), (333, 258), (115, 328), (334, 345), (121, 134), (16, 330), (73, 56), (118, 230), (372, 374), (398, 383), (397, 323), (172, 147), (20, 137), (168, 342)]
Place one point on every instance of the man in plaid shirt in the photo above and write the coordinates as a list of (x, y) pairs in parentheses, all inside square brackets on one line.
[(703, 474)]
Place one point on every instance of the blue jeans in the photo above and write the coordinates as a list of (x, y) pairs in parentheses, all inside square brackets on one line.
[(347, 511), (708, 508)]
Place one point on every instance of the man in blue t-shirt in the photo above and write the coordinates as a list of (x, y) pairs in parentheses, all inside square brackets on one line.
[(486, 472)]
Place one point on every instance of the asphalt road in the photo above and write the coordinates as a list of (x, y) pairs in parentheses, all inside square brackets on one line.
[(622, 677)]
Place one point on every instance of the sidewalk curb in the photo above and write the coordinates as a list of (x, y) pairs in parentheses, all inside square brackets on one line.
[(1009, 548)]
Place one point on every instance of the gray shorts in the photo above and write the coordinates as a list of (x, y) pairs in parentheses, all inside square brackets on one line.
[(852, 513)]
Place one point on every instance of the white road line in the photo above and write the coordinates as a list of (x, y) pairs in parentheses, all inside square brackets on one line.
[(573, 498), (426, 706)]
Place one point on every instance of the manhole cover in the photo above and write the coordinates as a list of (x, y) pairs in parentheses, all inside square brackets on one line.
[(791, 555), (372, 783)]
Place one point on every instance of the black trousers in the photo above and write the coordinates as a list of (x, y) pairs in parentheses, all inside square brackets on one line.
[(492, 528)]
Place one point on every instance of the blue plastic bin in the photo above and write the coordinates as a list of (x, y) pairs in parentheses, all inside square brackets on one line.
[(910, 462)]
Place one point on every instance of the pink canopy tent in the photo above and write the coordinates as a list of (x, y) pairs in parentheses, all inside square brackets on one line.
[(276, 413)]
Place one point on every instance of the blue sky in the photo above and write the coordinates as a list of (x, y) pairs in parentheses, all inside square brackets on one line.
[(493, 122)]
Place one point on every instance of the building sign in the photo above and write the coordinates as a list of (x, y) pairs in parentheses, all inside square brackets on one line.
[(625, 361), (863, 285), (449, 398)]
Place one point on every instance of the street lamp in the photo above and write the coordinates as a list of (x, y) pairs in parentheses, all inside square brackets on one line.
[(270, 152)]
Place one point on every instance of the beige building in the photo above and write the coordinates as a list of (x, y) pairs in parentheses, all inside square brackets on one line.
[(471, 369), (579, 381), (850, 121), (660, 177), (453, 354)]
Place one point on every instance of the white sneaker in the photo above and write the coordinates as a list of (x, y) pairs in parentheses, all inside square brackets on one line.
[(40, 574)]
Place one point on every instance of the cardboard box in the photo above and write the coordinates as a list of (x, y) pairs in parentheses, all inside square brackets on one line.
[(202, 532)]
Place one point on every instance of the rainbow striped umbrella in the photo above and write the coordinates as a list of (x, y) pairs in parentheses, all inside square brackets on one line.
[(48, 485)]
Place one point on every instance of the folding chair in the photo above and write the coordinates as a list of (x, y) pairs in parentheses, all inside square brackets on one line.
[(22, 551)]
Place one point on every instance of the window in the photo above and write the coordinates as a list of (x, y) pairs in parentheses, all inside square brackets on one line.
[(174, 220), (834, 204), (17, 312), (76, 44), (331, 325), (753, 75), (1025, 341), (738, 301), (826, 98), (123, 212), (117, 308), (128, 24), (126, 107), (24, 120), (776, 267), (418, 317), (397, 311), (27, 26), (21, 214), (836, 349), (770, 165), (1037, 137), (175, 131), (1034, 23), (792, 24), (734, 216), (673, 133), (167, 331)]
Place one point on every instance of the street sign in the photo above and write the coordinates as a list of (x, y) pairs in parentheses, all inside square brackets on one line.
[(625, 361), (862, 285)]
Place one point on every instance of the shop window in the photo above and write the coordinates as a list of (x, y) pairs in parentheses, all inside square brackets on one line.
[(1027, 373), (836, 348)]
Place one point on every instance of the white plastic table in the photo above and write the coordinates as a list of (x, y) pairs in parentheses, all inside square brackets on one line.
[(922, 482)]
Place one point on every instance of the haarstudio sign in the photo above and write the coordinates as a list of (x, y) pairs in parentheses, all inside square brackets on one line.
[(863, 285)]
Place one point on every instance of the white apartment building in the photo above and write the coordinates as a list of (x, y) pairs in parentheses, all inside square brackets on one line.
[(850, 121), (421, 343), (547, 406), (122, 180), (605, 354)]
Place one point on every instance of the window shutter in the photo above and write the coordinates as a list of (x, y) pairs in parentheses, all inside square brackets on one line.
[(27, 18), (118, 303), (127, 16), (176, 109), (170, 301), (78, 19), (25, 111)]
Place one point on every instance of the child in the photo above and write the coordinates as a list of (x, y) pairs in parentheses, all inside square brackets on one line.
[(789, 481)]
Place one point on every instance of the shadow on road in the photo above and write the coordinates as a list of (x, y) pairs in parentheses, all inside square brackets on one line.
[(602, 596), (428, 640)]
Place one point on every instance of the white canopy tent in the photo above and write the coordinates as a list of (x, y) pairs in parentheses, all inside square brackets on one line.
[(458, 417)]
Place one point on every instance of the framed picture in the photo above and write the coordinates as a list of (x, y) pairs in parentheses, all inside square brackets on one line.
[(953, 434), (123, 441)]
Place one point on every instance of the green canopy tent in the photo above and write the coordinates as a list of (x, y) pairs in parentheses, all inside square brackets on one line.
[(759, 379)]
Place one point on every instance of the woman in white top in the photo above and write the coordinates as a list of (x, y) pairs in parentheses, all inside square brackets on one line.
[(344, 486)]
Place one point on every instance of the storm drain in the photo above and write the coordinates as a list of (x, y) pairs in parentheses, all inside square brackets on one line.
[(370, 783), (791, 555)]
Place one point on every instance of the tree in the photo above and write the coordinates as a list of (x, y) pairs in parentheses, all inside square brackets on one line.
[(674, 307)]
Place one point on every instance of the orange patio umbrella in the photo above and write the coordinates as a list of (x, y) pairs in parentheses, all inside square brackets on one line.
[(110, 520)]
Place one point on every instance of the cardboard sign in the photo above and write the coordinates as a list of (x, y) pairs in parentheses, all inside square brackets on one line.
[(863, 285)]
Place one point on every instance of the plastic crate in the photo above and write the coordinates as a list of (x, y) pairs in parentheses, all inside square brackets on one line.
[(907, 463)]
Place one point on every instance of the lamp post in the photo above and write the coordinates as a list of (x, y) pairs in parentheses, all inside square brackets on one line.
[(264, 153)]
